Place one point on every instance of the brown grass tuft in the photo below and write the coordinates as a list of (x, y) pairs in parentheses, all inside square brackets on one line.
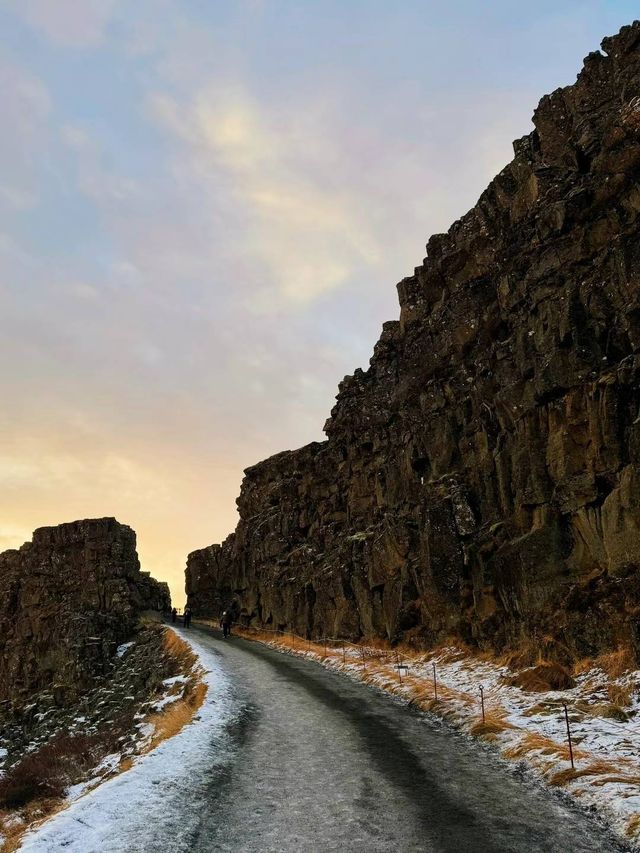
[(542, 678), (633, 827), (172, 718), (534, 742), (180, 651), (614, 664), (620, 694), (494, 723), (596, 768), (609, 711)]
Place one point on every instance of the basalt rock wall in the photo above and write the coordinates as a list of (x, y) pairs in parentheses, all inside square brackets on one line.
[(481, 479), (67, 599)]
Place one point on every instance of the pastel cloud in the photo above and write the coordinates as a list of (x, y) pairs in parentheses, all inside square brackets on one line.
[(302, 225), (68, 23), (204, 208)]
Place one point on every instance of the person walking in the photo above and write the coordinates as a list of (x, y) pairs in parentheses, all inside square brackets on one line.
[(226, 622), (187, 617), (174, 615)]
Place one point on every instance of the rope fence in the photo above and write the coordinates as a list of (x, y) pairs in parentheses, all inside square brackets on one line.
[(363, 652)]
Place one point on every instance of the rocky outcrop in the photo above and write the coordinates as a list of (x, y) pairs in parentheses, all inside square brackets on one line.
[(481, 479), (67, 599)]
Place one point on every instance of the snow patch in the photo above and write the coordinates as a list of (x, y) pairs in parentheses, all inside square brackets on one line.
[(122, 650), (139, 807)]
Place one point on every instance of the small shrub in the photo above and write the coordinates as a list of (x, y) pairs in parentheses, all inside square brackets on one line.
[(47, 772)]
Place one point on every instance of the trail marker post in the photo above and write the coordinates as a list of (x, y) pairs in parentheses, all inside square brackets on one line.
[(400, 667), (566, 717)]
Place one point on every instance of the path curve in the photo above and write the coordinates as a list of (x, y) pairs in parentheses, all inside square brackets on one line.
[(324, 763)]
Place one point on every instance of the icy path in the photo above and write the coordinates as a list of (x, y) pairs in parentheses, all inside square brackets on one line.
[(289, 757), (159, 801)]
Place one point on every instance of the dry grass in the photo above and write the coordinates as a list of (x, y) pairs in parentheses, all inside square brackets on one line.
[(48, 771), (608, 773), (33, 789), (633, 826), (543, 677), (173, 717), (620, 694), (534, 742), (613, 664), (533, 651), (14, 829), (568, 774), (494, 722), (180, 651), (609, 711)]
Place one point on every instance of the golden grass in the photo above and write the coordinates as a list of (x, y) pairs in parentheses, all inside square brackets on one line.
[(167, 722), (607, 772), (173, 717), (534, 742), (494, 722), (613, 664), (179, 650), (633, 826), (31, 815), (620, 694), (568, 774), (541, 678), (533, 651)]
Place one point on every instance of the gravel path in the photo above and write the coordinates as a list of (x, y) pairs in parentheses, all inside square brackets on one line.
[(321, 763)]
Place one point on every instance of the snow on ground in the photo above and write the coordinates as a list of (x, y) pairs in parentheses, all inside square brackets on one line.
[(524, 726), (123, 649), (137, 810)]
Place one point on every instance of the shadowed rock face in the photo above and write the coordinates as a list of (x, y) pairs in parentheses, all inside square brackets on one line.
[(481, 478), (67, 599)]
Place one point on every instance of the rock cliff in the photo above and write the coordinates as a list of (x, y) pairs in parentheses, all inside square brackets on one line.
[(67, 599), (481, 479)]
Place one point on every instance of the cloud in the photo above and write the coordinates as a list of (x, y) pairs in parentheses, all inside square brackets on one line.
[(303, 227), (191, 288), (68, 23), (25, 106)]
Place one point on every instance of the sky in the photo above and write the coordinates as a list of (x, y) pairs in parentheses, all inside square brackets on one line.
[(204, 209)]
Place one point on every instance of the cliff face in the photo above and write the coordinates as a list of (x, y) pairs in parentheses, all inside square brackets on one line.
[(67, 599), (481, 478)]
